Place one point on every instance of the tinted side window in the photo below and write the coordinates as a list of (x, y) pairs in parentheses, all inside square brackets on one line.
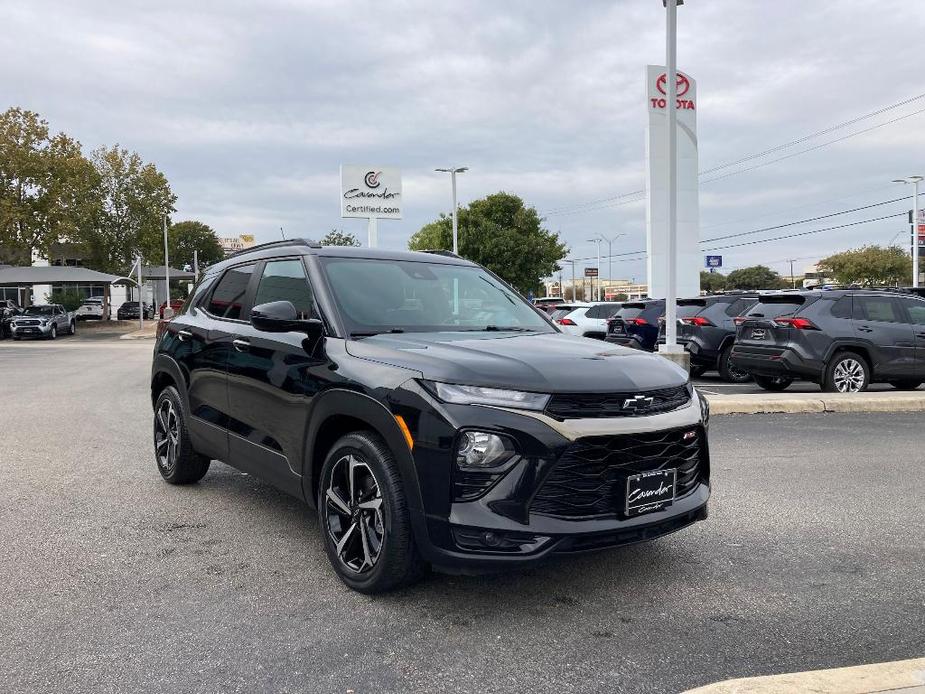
[(739, 307), (285, 280), (876, 308), (842, 308), (228, 298), (916, 310)]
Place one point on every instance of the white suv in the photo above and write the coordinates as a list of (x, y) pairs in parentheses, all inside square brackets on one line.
[(94, 307), (585, 319)]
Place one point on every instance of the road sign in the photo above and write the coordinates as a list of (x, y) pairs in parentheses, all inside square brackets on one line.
[(590, 272), (714, 261)]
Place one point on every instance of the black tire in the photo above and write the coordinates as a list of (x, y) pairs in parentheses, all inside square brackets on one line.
[(697, 370), (73, 328), (846, 372), (54, 332), (174, 455), (773, 383), (370, 547), (906, 384), (730, 373)]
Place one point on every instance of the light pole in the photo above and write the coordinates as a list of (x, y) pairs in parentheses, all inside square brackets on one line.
[(671, 84), (610, 254), (793, 282), (914, 180), (453, 171), (598, 242)]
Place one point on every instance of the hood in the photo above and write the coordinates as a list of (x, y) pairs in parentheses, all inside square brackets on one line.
[(542, 363)]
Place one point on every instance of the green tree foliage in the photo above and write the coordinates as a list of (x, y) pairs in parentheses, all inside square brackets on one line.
[(71, 299), (338, 237), (502, 234), (47, 186), (869, 265), (185, 237), (712, 281), (755, 277), (134, 197)]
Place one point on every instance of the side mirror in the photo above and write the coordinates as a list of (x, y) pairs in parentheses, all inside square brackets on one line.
[(281, 317)]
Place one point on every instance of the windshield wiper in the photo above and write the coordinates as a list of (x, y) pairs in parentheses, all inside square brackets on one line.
[(508, 329), (380, 332)]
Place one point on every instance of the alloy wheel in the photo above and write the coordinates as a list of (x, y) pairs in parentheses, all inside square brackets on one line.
[(353, 514), (166, 435), (849, 376)]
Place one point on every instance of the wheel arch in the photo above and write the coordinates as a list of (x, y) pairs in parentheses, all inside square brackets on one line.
[(338, 412), (166, 372), (861, 350)]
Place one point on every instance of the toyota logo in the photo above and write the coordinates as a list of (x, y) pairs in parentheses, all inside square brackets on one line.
[(371, 179), (683, 84)]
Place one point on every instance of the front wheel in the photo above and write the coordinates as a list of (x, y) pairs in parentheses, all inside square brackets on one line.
[(364, 518), (72, 328), (54, 332), (176, 460), (846, 373), (773, 383)]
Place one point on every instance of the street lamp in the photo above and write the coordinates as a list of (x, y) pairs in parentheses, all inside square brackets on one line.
[(610, 253), (914, 180), (453, 171), (598, 242)]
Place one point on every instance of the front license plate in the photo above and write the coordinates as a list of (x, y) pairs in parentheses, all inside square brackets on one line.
[(650, 491)]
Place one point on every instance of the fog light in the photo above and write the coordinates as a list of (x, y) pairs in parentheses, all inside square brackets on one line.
[(481, 449)]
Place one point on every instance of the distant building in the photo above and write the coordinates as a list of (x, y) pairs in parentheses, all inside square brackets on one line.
[(233, 244), (611, 289), (812, 277)]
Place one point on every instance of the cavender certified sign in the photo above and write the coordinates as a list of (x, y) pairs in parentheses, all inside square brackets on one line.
[(370, 192)]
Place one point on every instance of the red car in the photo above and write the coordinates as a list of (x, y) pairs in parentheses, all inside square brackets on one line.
[(175, 304)]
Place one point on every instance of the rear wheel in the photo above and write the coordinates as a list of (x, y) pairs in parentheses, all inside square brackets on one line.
[(910, 384), (773, 383), (364, 518), (176, 460), (729, 371), (846, 373)]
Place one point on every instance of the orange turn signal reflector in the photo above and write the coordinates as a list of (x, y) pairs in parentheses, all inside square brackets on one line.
[(405, 431)]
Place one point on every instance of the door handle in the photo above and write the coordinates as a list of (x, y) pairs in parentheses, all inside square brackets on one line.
[(241, 345), (183, 335), (865, 329)]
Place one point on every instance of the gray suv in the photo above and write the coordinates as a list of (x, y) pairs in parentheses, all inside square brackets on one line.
[(841, 339)]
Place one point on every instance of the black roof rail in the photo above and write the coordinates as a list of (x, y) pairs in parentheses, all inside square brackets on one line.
[(275, 244), (439, 251)]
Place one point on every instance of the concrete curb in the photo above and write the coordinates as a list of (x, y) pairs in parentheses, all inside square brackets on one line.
[(900, 677), (139, 335), (799, 403)]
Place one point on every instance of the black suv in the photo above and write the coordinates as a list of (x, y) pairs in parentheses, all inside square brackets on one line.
[(707, 329), (426, 409), (636, 324), (841, 339)]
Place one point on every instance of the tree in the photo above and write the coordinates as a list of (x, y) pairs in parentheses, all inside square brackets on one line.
[(185, 237), (712, 281), (755, 277), (337, 237), (502, 234), (134, 197), (47, 186), (869, 265)]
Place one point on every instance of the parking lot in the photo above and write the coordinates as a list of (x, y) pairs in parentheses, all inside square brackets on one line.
[(111, 580)]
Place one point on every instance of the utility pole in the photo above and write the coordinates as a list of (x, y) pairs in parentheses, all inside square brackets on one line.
[(453, 171), (793, 282), (914, 180)]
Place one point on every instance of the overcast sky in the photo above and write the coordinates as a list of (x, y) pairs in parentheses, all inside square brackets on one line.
[(249, 108)]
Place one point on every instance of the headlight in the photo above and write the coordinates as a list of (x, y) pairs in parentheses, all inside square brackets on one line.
[(477, 395), (482, 449)]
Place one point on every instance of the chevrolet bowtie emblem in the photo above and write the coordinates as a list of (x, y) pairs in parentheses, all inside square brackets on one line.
[(638, 403)]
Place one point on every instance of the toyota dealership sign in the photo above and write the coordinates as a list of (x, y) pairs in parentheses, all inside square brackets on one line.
[(370, 192)]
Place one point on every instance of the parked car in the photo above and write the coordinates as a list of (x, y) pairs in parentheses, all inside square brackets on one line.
[(548, 303), (588, 320), (129, 310), (94, 307), (46, 320), (707, 329), (8, 309), (468, 436), (841, 339), (636, 324), (175, 304)]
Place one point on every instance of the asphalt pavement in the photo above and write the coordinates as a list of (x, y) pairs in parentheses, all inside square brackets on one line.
[(113, 581)]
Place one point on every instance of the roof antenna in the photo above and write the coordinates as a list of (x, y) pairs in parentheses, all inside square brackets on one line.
[(283, 233)]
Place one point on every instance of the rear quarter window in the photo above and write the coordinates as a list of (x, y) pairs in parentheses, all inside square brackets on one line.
[(740, 307), (842, 308)]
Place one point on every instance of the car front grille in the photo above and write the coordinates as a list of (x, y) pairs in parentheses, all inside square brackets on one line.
[(589, 479), (629, 404), (28, 322)]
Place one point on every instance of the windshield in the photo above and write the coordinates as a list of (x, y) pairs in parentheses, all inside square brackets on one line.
[(40, 311), (376, 296)]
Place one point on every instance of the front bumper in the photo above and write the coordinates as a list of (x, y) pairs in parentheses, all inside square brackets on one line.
[(503, 527), (30, 330)]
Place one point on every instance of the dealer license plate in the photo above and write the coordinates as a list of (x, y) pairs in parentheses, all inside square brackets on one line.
[(650, 491)]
